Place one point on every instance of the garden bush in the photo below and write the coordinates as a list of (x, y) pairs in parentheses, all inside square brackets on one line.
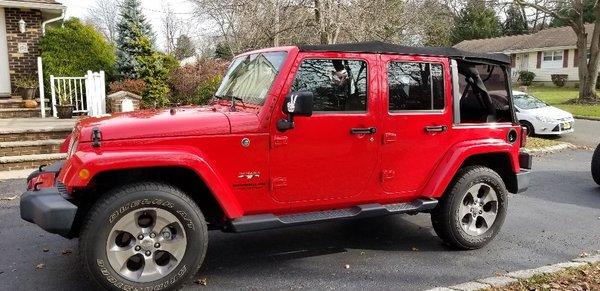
[(526, 77), (135, 86), (74, 48), (559, 79), (196, 83)]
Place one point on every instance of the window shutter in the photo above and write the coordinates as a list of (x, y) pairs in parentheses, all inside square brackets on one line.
[(512, 60), (576, 58), (566, 59), (539, 60)]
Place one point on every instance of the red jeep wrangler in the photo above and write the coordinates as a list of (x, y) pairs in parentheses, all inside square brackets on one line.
[(294, 135)]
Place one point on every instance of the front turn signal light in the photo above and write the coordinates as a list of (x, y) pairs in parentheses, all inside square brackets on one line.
[(84, 174)]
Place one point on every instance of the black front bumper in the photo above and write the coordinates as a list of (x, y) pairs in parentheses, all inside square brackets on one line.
[(47, 207), (49, 210)]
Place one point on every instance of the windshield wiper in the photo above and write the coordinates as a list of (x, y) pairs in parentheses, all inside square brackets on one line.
[(232, 98)]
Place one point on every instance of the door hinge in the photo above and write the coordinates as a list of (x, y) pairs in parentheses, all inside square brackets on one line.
[(278, 182), (389, 137), (387, 175), (279, 140)]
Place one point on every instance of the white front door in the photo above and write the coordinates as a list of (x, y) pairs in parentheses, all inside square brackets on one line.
[(4, 71), (523, 66)]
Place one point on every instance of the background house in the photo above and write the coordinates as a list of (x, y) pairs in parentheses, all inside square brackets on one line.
[(21, 27), (546, 52)]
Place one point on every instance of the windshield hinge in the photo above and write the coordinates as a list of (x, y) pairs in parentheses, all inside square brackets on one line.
[(96, 137)]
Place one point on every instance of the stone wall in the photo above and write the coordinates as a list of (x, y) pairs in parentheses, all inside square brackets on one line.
[(23, 64)]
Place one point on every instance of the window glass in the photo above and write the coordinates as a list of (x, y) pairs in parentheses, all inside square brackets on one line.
[(415, 86), (337, 85), (250, 77)]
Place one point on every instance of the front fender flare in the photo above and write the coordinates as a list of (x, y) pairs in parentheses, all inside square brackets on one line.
[(122, 159), (457, 155)]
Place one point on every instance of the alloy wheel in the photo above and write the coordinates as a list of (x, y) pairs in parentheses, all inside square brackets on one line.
[(478, 209), (146, 244)]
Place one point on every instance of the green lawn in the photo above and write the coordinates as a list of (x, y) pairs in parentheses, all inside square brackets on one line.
[(558, 96)]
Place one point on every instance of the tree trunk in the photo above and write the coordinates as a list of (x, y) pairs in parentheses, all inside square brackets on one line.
[(320, 20), (588, 70)]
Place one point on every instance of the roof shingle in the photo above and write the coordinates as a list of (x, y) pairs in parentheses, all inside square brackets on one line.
[(552, 37), (39, 1)]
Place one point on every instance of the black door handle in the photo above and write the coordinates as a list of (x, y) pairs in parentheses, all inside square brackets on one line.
[(436, 128), (366, 130)]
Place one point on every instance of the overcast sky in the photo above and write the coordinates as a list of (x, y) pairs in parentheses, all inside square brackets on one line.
[(153, 9)]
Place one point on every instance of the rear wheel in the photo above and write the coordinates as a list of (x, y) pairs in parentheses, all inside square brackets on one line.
[(143, 236), (472, 210), (596, 165)]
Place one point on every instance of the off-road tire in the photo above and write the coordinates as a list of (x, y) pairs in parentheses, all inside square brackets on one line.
[(116, 204), (529, 126), (445, 218), (596, 165)]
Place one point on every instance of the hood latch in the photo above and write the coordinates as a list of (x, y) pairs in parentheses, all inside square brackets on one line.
[(96, 137)]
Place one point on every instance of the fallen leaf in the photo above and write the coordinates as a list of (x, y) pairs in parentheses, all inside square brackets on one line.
[(201, 281), (40, 266)]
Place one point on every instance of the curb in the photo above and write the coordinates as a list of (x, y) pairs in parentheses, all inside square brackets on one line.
[(549, 149), (513, 277), (587, 118)]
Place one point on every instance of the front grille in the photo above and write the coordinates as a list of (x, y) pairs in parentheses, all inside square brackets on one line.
[(62, 189)]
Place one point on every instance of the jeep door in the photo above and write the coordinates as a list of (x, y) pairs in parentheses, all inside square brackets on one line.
[(333, 153), (417, 118)]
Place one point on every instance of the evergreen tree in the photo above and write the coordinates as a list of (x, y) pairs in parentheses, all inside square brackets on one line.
[(151, 66), (515, 21), (184, 48), (132, 25), (476, 21)]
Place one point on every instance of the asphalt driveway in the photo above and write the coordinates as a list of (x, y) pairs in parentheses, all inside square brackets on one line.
[(587, 133), (553, 222)]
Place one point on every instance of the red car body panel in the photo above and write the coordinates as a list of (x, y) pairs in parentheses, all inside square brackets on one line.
[(315, 166)]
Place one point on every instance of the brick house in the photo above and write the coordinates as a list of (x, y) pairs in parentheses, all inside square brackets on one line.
[(546, 52), (22, 23)]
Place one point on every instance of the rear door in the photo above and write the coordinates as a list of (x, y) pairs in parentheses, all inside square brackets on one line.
[(333, 153), (416, 121)]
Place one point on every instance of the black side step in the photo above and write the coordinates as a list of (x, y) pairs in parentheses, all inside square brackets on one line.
[(268, 221)]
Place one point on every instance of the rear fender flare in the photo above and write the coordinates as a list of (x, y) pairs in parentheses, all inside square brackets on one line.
[(451, 163)]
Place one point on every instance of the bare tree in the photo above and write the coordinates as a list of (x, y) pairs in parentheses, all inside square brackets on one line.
[(103, 15), (171, 28), (571, 12)]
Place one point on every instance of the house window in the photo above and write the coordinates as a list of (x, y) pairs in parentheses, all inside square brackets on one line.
[(552, 59)]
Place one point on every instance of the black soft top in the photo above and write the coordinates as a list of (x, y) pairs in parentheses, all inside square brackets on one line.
[(388, 48)]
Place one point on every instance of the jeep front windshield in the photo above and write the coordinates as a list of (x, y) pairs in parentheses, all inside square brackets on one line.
[(250, 77)]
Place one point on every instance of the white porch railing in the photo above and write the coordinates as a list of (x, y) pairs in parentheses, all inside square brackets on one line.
[(87, 94)]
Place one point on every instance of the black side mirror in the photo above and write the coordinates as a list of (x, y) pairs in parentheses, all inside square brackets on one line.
[(296, 103)]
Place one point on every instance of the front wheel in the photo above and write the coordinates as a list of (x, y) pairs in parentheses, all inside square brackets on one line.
[(596, 165), (143, 236), (472, 210)]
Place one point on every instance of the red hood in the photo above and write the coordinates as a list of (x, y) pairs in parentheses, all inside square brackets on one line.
[(182, 121)]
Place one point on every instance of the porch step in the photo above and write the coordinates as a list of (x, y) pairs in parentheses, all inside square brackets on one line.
[(21, 112), (27, 147), (34, 134), (28, 161), (11, 103)]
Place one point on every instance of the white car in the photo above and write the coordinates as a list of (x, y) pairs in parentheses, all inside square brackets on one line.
[(541, 118)]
